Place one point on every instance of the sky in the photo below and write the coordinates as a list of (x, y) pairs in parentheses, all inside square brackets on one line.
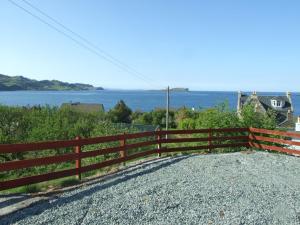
[(201, 45)]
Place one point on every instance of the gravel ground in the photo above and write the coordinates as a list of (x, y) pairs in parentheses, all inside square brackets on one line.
[(236, 188)]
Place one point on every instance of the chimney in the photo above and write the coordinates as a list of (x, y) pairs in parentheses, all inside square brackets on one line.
[(289, 115), (298, 125), (239, 101), (289, 96), (254, 95), (239, 94)]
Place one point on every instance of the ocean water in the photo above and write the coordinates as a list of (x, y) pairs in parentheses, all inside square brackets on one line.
[(136, 100)]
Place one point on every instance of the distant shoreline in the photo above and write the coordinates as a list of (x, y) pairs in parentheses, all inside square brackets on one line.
[(44, 90), (20, 83)]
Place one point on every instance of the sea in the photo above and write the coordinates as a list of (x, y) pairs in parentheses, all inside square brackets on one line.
[(135, 99)]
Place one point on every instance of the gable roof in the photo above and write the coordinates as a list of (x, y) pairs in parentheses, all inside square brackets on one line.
[(84, 107), (265, 103)]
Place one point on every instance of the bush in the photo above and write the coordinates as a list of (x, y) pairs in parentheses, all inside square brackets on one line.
[(218, 117)]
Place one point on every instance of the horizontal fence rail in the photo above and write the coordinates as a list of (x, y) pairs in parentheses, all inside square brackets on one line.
[(127, 147), (274, 140)]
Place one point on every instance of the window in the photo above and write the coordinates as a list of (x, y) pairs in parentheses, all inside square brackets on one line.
[(276, 103)]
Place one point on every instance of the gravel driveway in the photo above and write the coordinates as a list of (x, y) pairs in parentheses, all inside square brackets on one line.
[(236, 188)]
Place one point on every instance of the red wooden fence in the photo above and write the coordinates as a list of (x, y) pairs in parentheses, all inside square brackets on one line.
[(259, 138), (213, 138)]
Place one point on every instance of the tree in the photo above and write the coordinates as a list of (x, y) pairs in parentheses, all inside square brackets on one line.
[(156, 117), (217, 117), (121, 113), (184, 114), (250, 118)]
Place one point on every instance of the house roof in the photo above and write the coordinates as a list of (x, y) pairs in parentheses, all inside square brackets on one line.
[(84, 107), (266, 103)]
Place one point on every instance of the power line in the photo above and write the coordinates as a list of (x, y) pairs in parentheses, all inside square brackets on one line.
[(84, 39), (87, 44), (76, 41)]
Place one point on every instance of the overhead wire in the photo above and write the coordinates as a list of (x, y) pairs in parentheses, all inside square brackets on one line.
[(84, 43), (84, 39)]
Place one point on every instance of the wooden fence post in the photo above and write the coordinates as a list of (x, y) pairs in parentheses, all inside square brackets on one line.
[(78, 159), (123, 152), (250, 137), (210, 140), (158, 142)]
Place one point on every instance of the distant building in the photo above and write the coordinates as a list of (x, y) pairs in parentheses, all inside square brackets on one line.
[(84, 107), (297, 127), (282, 105), (297, 130)]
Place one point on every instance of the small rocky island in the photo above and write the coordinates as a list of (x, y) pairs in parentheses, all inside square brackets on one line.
[(20, 83), (179, 89)]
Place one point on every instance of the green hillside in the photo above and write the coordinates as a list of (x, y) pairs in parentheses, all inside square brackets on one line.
[(16, 83)]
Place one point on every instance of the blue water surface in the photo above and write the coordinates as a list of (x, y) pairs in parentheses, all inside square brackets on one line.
[(137, 100)]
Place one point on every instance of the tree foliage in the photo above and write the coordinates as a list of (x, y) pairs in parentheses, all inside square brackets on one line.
[(25, 124), (222, 116), (251, 118), (217, 117), (156, 117), (121, 113)]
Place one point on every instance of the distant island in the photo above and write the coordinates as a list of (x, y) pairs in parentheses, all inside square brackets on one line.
[(20, 83), (174, 89), (179, 89)]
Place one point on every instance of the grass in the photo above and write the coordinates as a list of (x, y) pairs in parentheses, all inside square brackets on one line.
[(59, 183), (69, 182), (32, 188), (43, 186)]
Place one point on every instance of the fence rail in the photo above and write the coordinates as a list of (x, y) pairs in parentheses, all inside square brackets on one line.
[(279, 141), (210, 139)]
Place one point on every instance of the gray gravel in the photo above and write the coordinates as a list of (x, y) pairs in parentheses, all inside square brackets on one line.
[(237, 188)]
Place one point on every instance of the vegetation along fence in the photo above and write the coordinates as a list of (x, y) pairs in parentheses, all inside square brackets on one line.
[(157, 142)]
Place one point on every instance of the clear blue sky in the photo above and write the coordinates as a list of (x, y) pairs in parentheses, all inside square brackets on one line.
[(202, 45)]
